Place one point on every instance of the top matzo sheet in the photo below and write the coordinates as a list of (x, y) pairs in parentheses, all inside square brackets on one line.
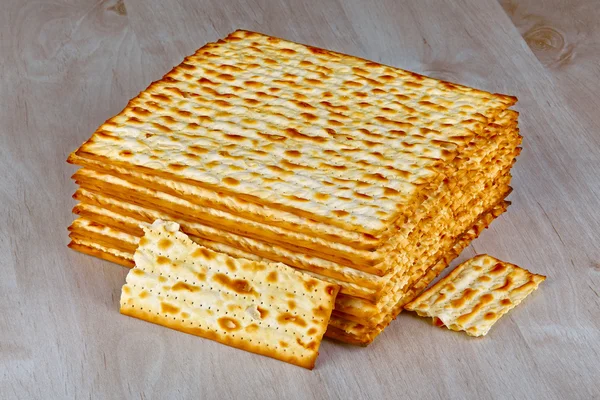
[(328, 136)]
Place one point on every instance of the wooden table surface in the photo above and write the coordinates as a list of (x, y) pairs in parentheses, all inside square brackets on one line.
[(66, 66)]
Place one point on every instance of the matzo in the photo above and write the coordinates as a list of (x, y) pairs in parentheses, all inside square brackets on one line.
[(265, 308), (330, 137), (476, 294)]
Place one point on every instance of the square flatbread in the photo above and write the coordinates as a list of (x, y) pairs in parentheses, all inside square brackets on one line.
[(264, 308), (322, 135), (476, 294)]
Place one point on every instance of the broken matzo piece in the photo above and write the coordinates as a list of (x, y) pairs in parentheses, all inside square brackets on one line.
[(264, 308), (476, 294)]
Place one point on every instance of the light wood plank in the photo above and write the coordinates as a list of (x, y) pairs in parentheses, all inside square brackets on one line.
[(65, 67)]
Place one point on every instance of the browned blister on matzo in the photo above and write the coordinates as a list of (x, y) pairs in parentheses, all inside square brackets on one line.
[(476, 294), (264, 308)]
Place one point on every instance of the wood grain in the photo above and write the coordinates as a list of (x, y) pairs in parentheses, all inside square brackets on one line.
[(65, 67)]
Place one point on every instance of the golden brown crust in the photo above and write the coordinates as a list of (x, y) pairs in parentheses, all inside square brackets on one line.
[(101, 254), (98, 193), (363, 341), (421, 283)]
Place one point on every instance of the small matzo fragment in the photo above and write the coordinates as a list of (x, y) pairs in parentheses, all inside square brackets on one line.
[(476, 294), (264, 308)]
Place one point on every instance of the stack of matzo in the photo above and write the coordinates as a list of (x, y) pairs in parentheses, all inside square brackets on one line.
[(363, 175)]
